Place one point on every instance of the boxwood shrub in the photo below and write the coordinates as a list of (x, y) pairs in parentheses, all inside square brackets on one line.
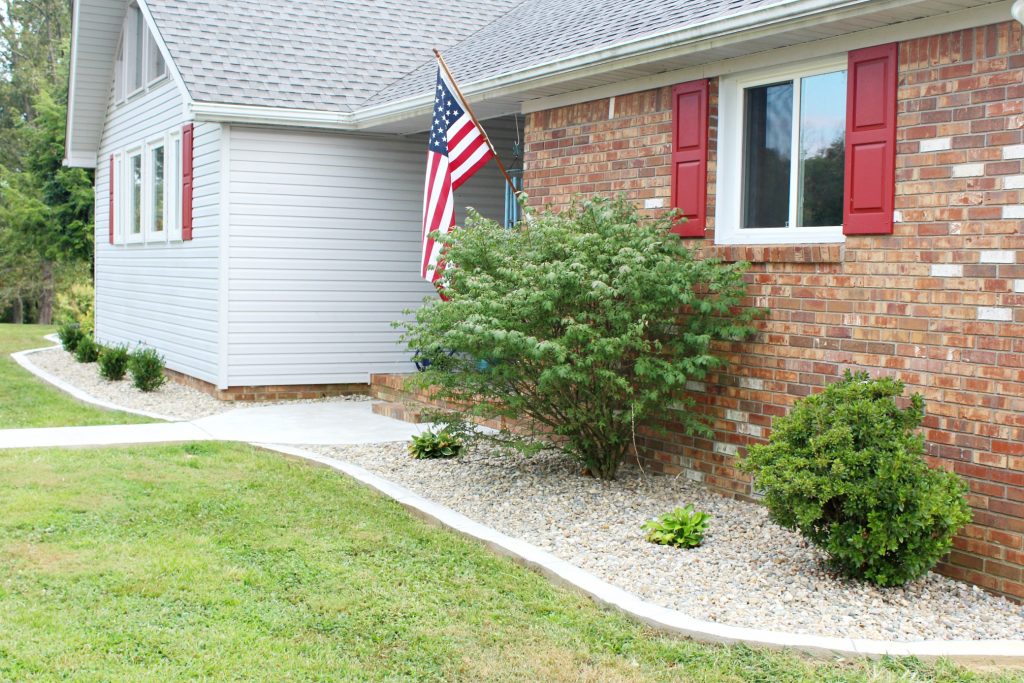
[(845, 468), (147, 369), (114, 362), (87, 350)]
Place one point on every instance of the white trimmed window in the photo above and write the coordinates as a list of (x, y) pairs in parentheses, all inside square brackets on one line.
[(781, 155), (140, 63), (147, 191)]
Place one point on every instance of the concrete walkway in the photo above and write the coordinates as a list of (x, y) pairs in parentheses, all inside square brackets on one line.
[(330, 423)]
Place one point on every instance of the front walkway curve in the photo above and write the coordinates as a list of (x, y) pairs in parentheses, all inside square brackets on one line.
[(334, 423)]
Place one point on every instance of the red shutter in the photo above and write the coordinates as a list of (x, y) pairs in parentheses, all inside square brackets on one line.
[(110, 209), (690, 156), (186, 182), (870, 184)]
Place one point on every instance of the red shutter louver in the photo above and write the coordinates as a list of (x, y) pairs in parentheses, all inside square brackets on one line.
[(690, 156), (186, 182), (110, 197), (870, 174)]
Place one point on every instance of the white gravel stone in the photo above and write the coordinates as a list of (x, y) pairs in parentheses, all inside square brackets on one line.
[(748, 572), (172, 399)]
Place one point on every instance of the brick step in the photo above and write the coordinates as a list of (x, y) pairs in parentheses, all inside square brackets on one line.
[(399, 410)]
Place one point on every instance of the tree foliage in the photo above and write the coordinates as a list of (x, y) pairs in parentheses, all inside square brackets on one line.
[(45, 208), (585, 323)]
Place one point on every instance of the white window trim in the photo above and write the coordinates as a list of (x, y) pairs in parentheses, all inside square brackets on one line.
[(172, 185), (170, 141), (152, 236), (132, 237), (729, 183)]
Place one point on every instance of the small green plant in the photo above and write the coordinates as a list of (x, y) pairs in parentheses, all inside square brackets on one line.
[(682, 528), (70, 334), (147, 369), (114, 362), (846, 469), (428, 445), (87, 350)]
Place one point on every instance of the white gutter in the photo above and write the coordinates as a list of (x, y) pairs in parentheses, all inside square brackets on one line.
[(69, 157), (1017, 11)]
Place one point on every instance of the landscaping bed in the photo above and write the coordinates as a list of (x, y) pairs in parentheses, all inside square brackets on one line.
[(172, 399), (748, 572)]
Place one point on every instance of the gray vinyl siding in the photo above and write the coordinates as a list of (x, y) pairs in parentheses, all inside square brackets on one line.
[(324, 251), (162, 295)]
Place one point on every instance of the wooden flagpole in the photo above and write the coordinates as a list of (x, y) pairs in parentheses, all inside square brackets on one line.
[(469, 110)]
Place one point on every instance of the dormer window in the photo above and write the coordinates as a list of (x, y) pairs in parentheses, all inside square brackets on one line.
[(139, 60)]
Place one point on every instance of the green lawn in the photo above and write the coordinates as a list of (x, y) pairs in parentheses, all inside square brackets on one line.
[(221, 562), (26, 401)]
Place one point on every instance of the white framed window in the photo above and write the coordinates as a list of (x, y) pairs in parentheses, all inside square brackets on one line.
[(155, 218), (148, 191), (140, 63), (134, 195), (781, 155)]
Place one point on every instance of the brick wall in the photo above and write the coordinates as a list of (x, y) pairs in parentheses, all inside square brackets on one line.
[(940, 303)]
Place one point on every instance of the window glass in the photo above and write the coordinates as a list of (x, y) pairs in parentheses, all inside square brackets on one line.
[(767, 152), (135, 180), (136, 33), (822, 149), (157, 189), (155, 63)]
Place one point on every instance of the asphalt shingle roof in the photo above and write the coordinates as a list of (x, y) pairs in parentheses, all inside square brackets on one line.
[(542, 30), (341, 55), (309, 54)]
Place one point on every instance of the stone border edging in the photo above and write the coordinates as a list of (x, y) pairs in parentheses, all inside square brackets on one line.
[(21, 358), (662, 618)]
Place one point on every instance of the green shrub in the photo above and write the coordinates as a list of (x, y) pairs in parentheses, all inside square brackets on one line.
[(429, 445), (583, 325), (87, 350), (682, 528), (147, 369), (845, 468), (70, 334), (114, 362)]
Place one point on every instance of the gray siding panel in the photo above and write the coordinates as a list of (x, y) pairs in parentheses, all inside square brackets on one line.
[(324, 252), (161, 295)]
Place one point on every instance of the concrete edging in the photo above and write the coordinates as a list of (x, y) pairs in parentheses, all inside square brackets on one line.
[(21, 358), (986, 652)]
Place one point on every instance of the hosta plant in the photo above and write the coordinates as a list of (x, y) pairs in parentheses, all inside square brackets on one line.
[(430, 445), (846, 469), (682, 528)]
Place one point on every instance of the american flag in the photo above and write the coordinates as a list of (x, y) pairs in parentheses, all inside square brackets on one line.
[(456, 150)]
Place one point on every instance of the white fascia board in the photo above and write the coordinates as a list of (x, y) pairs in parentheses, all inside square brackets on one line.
[(284, 116), (172, 68), (69, 156), (79, 161)]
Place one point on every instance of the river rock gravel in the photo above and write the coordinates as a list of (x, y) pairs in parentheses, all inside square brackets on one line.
[(172, 400), (748, 572)]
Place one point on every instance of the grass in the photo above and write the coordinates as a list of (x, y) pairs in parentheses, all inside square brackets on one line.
[(222, 562), (27, 401)]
